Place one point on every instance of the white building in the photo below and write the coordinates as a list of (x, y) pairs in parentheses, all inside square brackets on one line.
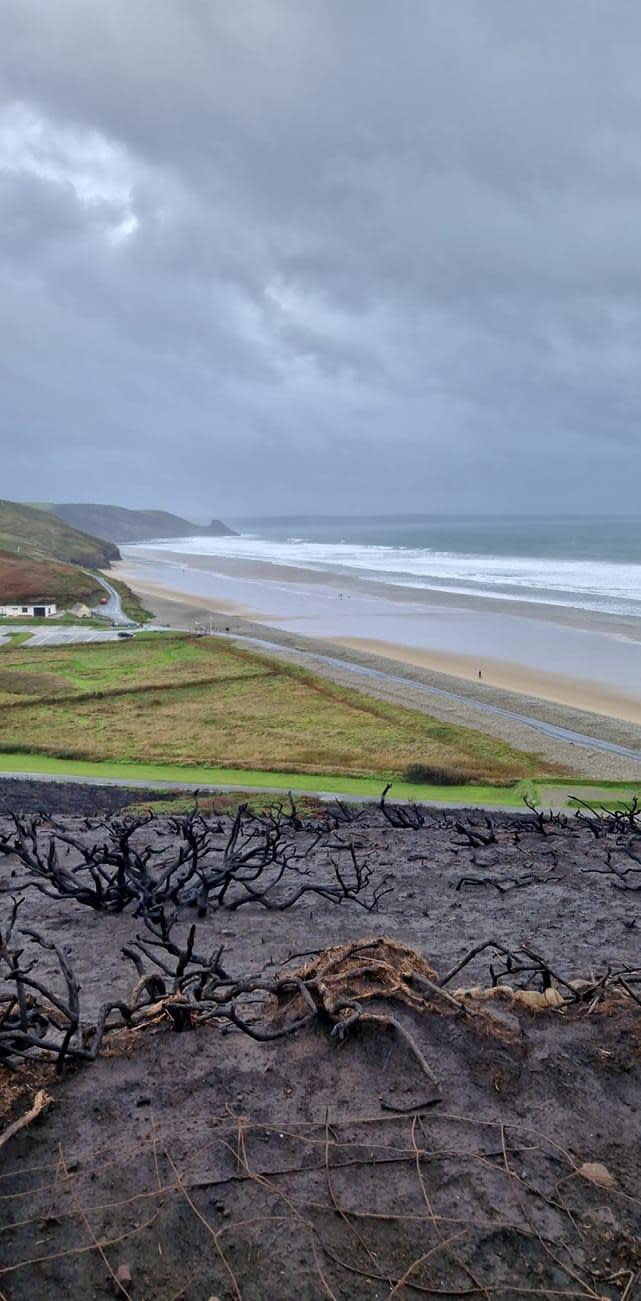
[(43, 610)]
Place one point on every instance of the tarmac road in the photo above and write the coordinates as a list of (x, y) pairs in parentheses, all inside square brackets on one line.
[(113, 609)]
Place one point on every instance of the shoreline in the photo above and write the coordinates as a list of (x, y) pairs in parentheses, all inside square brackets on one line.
[(519, 680), (266, 575), (552, 687)]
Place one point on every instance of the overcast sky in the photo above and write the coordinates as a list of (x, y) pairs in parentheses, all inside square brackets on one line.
[(279, 256)]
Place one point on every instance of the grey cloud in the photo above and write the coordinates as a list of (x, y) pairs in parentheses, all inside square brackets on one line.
[(322, 255)]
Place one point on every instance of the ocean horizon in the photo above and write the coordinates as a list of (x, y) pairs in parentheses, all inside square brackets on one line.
[(569, 561)]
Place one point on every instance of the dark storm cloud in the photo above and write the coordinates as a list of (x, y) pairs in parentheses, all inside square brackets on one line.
[(277, 256)]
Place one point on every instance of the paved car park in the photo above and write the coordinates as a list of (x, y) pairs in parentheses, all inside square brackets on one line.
[(60, 635)]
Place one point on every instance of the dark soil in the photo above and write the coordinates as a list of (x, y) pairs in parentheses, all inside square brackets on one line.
[(72, 797), (208, 1165)]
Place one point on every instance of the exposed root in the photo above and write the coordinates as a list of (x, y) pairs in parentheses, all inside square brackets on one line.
[(370, 980), (41, 1102), (366, 969), (532, 999)]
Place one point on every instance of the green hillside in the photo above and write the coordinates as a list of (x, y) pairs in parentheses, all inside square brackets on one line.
[(28, 531), (120, 524), (29, 579)]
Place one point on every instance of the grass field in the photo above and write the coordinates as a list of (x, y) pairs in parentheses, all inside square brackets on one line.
[(201, 704)]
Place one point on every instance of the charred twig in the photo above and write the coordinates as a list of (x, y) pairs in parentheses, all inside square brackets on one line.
[(505, 883), (340, 814), (474, 835), (258, 862), (473, 953), (544, 820), (398, 815)]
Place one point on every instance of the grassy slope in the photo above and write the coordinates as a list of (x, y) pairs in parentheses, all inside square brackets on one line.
[(121, 524), (40, 557), (202, 703), (24, 578), (37, 533)]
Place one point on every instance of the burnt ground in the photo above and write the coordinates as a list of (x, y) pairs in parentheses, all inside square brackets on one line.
[(71, 797), (205, 1164)]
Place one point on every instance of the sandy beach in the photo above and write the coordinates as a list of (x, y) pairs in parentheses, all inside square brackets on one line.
[(582, 660), (554, 687)]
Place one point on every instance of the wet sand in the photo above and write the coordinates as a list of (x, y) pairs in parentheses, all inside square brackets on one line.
[(287, 591), (554, 687), (566, 657)]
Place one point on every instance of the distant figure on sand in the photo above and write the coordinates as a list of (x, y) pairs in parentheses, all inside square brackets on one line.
[(480, 675)]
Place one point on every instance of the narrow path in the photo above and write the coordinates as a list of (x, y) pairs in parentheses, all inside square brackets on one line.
[(113, 609)]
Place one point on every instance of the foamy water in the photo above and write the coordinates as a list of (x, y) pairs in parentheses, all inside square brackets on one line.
[(609, 586)]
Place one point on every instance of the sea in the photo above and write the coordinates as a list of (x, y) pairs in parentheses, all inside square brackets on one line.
[(591, 564)]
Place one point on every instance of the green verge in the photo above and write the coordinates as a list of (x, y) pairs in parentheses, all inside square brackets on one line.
[(249, 779), (14, 639), (56, 621)]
